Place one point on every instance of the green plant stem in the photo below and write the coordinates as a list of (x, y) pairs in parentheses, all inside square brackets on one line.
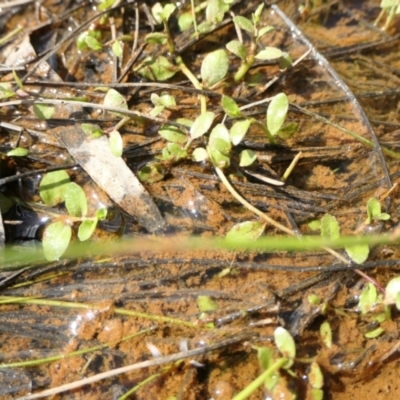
[(246, 65), (260, 380), (195, 82), (31, 363), (266, 131), (249, 206), (9, 35), (170, 41), (194, 19), (118, 311), (265, 217), (291, 167)]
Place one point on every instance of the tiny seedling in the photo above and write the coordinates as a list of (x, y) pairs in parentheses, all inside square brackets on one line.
[(56, 188), (374, 212)]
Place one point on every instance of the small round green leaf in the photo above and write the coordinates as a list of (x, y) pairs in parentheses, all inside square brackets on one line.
[(43, 111), (206, 304), (92, 130), (276, 112), (239, 130), (392, 291), (244, 23), (248, 230), (185, 21), (237, 49), (101, 214), (86, 229), (201, 124), (115, 99), (214, 67), (52, 187), (315, 376), (93, 43), (247, 157), (157, 69), (326, 334), (56, 238), (200, 154), (116, 144), (117, 48), (269, 53), (172, 134), (18, 152), (358, 253), (230, 107), (330, 227), (285, 344), (75, 200)]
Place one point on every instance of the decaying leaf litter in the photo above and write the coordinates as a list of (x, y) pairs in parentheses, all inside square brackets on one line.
[(216, 308)]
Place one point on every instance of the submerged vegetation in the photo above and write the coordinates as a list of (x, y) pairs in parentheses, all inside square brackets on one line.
[(194, 148)]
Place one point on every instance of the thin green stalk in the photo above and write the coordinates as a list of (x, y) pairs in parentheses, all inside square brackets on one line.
[(9, 35), (249, 206), (246, 65), (118, 311), (253, 386), (32, 363), (145, 382), (195, 82)]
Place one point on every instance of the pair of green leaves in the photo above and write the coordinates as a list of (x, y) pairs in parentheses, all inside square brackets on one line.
[(330, 228), (89, 40), (112, 99), (55, 188)]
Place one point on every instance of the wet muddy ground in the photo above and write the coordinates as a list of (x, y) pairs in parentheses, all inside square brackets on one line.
[(91, 315)]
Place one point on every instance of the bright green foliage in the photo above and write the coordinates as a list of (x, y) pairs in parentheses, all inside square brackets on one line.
[(248, 230), (116, 144), (185, 21), (276, 112), (200, 154), (230, 107), (89, 40), (237, 49), (114, 99), (202, 124), (162, 14), (359, 253), (206, 304), (5, 90), (219, 146), (330, 227), (269, 53), (86, 229), (214, 67), (215, 10), (238, 131), (151, 173), (392, 292), (105, 4), (326, 334), (56, 238), (244, 23), (43, 111), (285, 344), (18, 152), (247, 157), (75, 200), (315, 377), (173, 152), (314, 300), (92, 130), (52, 187), (157, 69), (117, 48), (374, 212), (374, 333), (159, 38), (266, 359), (314, 225), (172, 134), (17, 80)]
